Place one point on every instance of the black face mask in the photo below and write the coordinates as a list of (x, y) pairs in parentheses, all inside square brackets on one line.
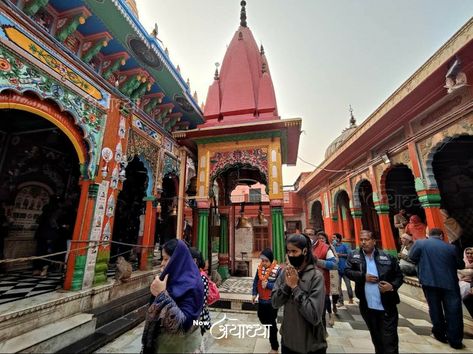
[(297, 261)]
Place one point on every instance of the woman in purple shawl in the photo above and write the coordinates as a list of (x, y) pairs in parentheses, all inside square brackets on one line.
[(179, 299)]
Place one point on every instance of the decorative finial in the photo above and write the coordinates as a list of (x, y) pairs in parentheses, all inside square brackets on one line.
[(261, 50), (352, 118), (264, 68), (243, 14), (216, 71), (178, 68), (166, 51), (196, 98)]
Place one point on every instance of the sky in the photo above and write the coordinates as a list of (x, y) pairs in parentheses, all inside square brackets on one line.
[(324, 55)]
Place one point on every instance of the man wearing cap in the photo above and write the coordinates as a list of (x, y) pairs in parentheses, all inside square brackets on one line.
[(266, 275), (408, 267)]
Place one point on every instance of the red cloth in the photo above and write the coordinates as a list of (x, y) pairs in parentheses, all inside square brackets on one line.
[(416, 228), (319, 251)]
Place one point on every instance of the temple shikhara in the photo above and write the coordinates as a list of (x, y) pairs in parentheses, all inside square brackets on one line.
[(106, 154)]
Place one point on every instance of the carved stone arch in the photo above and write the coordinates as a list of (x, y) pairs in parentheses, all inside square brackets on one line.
[(335, 199), (147, 153), (356, 193), (430, 181), (317, 214), (65, 120), (230, 165), (383, 195)]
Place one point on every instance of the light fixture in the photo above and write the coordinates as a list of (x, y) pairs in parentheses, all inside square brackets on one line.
[(385, 158)]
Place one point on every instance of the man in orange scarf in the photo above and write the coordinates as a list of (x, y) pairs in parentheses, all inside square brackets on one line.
[(266, 275)]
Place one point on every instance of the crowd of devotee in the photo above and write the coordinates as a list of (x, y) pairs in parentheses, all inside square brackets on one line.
[(308, 286)]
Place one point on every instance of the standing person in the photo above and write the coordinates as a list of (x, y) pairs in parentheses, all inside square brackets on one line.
[(465, 276), (179, 298), (437, 266), (205, 319), (377, 277), (416, 228), (263, 283), (300, 289), (326, 262), (400, 221), (342, 253), (405, 263)]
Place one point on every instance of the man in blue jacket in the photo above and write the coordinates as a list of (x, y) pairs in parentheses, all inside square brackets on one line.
[(377, 277), (437, 268)]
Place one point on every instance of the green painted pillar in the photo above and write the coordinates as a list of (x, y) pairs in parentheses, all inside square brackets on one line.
[(203, 232), (278, 233), (101, 267), (223, 248), (94, 50)]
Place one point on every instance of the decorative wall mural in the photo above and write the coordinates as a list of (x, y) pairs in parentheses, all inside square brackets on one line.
[(171, 166), (16, 74), (253, 157), (13, 35)]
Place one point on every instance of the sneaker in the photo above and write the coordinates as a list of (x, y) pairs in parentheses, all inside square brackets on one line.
[(350, 301), (443, 340)]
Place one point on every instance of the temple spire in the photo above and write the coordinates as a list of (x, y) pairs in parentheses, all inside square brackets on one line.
[(243, 14), (352, 118)]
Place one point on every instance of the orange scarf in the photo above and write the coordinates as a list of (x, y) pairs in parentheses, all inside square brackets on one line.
[(268, 272)]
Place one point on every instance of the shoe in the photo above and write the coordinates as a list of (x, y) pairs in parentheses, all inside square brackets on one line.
[(350, 301), (331, 320), (457, 346), (273, 351), (443, 340)]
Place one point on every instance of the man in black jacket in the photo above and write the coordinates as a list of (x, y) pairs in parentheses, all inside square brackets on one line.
[(377, 277)]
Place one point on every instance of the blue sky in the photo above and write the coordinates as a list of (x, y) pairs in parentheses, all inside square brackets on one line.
[(323, 54)]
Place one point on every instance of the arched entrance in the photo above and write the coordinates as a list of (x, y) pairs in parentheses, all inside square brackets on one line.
[(39, 192), (369, 216), (401, 193), (316, 218), (453, 170), (130, 212), (345, 220), (167, 222)]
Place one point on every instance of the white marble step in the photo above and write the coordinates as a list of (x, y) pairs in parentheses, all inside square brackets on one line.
[(52, 337)]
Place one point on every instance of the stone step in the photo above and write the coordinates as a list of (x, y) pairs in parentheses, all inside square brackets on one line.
[(52, 337), (107, 333)]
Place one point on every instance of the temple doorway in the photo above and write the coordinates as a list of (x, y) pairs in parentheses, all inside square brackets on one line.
[(369, 216), (400, 188), (316, 218), (130, 211), (166, 227), (39, 194), (453, 171)]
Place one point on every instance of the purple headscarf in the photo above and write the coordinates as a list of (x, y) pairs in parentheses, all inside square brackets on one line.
[(184, 281)]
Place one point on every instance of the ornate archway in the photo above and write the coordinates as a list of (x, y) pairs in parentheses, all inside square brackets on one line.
[(316, 216)]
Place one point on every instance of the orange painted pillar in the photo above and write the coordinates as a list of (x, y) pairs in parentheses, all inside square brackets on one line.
[(77, 258), (148, 235), (382, 208), (356, 214), (430, 200)]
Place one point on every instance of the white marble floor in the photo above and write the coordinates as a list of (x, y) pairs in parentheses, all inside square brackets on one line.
[(342, 339)]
